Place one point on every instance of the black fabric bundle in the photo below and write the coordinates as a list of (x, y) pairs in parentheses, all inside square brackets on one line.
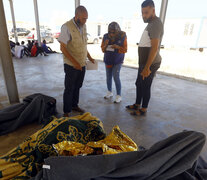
[(36, 107)]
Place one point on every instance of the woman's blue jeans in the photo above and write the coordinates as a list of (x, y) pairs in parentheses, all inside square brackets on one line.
[(115, 72)]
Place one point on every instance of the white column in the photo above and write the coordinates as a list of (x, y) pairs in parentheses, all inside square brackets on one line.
[(163, 10), (77, 3), (13, 20), (6, 59), (37, 22)]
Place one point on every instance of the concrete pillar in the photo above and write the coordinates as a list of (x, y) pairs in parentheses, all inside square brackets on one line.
[(6, 59), (37, 22), (163, 10), (77, 3), (13, 20)]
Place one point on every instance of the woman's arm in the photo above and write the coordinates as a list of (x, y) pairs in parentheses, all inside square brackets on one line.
[(104, 45), (122, 49)]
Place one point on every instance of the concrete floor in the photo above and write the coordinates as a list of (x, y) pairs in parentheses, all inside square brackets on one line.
[(175, 105)]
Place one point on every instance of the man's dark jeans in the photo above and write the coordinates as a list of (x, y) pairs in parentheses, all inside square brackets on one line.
[(73, 82), (143, 87)]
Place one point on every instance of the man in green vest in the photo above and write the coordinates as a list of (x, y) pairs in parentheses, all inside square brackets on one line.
[(73, 44)]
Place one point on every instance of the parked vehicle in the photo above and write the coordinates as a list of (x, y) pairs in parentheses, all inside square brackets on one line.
[(20, 32), (56, 35), (92, 39), (45, 35), (30, 36), (56, 31)]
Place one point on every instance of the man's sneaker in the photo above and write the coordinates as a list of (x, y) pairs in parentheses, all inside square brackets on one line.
[(118, 99), (108, 95)]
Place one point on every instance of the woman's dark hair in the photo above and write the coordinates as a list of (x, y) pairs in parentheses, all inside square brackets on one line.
[(114, 26)]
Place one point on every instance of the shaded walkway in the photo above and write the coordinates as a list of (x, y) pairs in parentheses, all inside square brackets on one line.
[(175, 105)]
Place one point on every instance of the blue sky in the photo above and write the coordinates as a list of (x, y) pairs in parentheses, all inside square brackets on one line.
[(107, 9)]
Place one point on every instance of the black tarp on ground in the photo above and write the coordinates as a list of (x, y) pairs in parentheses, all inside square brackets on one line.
[(175, 158), (36, 107)]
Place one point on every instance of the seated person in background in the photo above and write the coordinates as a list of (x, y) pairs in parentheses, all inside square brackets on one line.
[(46, 48), (18, 51), (36, 50), (12, 46), (26, 51), (29, 45)]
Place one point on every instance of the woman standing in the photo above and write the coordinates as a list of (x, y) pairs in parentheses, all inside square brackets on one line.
[(114, 46)]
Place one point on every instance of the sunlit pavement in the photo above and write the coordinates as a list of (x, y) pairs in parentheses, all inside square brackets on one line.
[(175, 61)]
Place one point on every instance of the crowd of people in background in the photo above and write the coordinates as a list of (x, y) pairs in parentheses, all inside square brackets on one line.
[(31, 49)]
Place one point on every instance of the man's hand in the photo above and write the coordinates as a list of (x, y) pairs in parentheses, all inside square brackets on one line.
[(92, 60), (77, 66), (115, 46), (145, 73)]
